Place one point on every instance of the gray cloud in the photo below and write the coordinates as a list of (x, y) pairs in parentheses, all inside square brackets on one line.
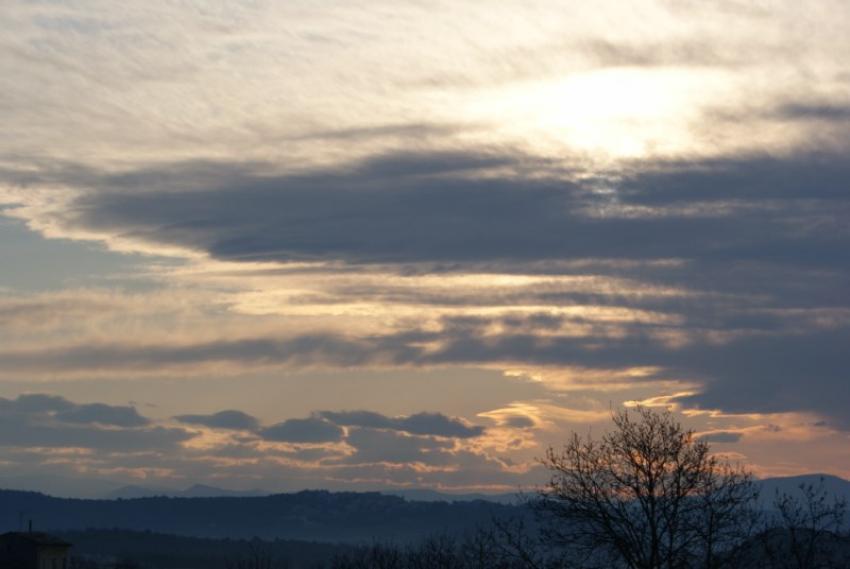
[(684, 53), (228, 419), (403, 130), (36, 403), (519, 422), (722, 437), (824, 111), (64, 411), (372, 446), (773, 370), (761, 244), (158, 439), (444, 208), (417, 424), (303, 350), (40, 420), (120, 416), (311, 430), (32, 428)]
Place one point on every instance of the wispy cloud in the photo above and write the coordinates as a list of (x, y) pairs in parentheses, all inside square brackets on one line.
[(657, 214)]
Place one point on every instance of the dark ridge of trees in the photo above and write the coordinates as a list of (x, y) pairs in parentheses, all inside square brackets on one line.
[(353, 517), (96, 549)]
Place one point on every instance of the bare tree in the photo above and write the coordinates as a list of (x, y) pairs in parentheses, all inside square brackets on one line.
[(436, 552), (646, 495), (805, 529), (375, 556), (517, 546)]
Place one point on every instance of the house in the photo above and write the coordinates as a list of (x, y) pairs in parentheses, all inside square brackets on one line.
[(33, 550)]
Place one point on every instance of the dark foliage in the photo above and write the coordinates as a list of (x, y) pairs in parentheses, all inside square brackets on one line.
[(102, 548), (646, 495), (311, 515)]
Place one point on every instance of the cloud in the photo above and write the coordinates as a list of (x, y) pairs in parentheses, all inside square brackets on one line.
[(823, 111), (64, 411), (362, 228), (775, 373), (769, 370), (721, 437), (727, 270), (311, 430), (305, 350), (228, 419), (418, 424), (36, 403), (40, 420), (439, 424), (376, 446), (156, 439), (430, 208), (120, 416), (519, 422), (36, 430)]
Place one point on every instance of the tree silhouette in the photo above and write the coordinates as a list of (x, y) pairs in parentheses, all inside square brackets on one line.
[(646, 495)]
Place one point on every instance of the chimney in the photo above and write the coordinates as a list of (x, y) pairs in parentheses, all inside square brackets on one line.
[(30, 526)]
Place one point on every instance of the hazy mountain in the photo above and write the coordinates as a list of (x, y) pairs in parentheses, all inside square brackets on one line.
[(205, 511), (65, 486), (195, 491), (308, 515), (204, 491), (833, 485), (427, 495), (132, 492)]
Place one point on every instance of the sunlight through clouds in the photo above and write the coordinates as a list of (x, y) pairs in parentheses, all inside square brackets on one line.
[(525, 213)]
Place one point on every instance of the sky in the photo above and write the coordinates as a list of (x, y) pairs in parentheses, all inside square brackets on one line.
[(400, 244)]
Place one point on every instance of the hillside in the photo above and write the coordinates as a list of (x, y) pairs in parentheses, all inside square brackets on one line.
[(308, 515)]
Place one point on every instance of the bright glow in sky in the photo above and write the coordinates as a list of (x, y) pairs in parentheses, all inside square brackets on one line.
[(603, 114)]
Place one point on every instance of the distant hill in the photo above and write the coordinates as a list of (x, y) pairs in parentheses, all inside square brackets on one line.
[(204, 511), (195, 491), (427, 495), (204, 491), (309, 515), (833, 485)]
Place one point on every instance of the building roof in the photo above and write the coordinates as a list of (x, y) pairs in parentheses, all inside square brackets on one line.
[(35, 537)]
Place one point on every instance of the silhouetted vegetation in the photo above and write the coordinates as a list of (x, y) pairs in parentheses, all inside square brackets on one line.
[(647, 495), (94, 549), (353, 517)]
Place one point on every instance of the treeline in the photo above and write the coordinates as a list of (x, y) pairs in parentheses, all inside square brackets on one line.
[(502, 545), (352, 517), (106, 549), (774, 548)]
